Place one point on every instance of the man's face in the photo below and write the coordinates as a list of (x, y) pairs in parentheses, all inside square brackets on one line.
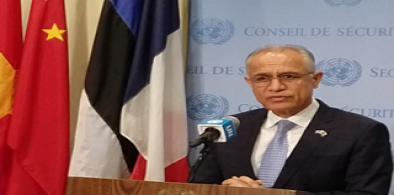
[(289, 94)]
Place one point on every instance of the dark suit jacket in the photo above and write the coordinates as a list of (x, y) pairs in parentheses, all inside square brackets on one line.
[(353, 158)]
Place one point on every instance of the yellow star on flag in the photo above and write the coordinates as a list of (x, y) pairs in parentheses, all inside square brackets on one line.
[(54, 32)]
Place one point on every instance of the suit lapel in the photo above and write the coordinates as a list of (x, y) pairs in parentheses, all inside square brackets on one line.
[(307, 144)]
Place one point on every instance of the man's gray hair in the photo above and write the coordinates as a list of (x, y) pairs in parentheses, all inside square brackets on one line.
[(309, 59)]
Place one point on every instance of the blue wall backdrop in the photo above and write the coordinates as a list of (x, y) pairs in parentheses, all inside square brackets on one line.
[(352, 40)]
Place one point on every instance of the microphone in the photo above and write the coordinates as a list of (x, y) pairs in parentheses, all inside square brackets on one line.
[(216, 130)]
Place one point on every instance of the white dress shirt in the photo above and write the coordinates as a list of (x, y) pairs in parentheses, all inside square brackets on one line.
[(269, 128)]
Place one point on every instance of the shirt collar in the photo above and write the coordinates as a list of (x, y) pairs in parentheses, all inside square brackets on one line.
[(302, 118)]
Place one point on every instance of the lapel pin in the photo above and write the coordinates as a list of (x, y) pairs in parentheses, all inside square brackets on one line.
[(322, 133)]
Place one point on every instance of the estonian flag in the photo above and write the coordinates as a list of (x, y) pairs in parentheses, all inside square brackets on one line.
[(133, 106)]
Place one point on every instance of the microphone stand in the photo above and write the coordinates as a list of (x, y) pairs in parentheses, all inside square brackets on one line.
[(203, 153)]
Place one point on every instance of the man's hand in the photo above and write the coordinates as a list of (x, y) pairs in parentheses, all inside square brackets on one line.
[(243, 181)]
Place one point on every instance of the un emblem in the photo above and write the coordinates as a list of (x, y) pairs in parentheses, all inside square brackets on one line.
[(342, 2), (339, 71), (212, 30), (206, 106)]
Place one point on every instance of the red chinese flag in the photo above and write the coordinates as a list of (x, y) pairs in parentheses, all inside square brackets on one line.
[(10, 49), (39, 130)]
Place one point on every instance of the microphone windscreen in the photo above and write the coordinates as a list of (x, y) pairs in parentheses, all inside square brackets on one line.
[(226, 126), (235, 120)]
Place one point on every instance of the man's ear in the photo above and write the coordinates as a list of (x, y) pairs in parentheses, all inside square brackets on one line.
[(247, 79), (317, 76)]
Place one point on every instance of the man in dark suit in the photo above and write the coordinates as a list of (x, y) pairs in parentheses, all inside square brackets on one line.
[(324, 150)]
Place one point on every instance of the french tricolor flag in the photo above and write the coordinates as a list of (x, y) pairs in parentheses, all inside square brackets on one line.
[(132, 115)]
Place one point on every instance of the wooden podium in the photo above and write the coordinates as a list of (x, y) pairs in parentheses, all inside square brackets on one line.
[(94, 186)]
